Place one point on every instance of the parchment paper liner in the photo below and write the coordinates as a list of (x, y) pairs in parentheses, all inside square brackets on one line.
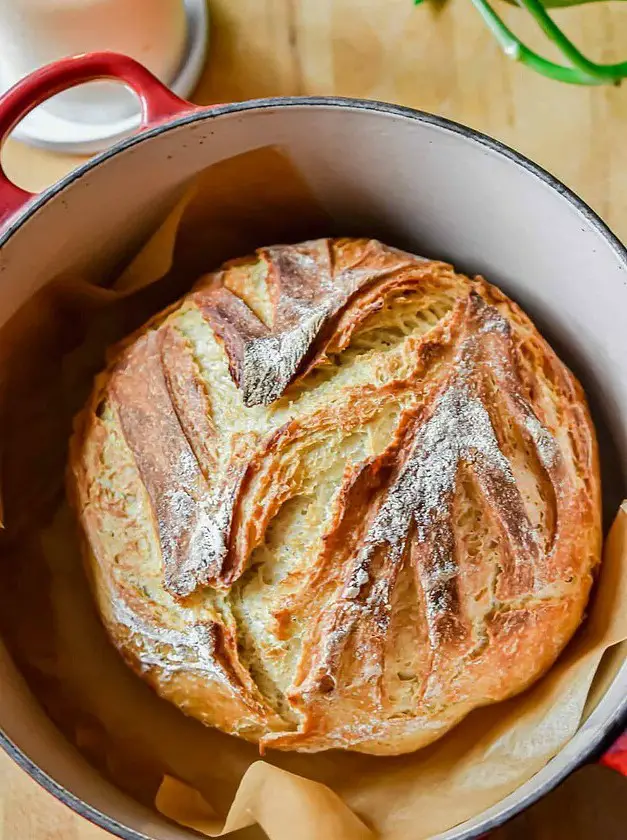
[(197, 776)]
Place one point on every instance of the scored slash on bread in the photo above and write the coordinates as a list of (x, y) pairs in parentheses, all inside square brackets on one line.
[(338, 497)]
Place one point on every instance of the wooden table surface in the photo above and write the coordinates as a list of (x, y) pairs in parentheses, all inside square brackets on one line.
[(437, 57)]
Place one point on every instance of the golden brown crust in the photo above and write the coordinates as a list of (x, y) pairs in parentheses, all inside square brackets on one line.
[(307, 285), (338, 497)]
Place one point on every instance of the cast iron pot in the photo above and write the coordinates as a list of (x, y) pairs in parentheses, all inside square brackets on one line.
[(409, 178)]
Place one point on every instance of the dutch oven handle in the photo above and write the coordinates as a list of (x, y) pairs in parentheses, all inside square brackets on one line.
[(158, 103), (616, 756)]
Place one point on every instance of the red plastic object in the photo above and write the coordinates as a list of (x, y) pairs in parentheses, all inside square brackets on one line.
[(158, 103)]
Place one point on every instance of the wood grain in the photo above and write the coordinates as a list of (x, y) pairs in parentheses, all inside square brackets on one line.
[(437, 57), (28, 812)]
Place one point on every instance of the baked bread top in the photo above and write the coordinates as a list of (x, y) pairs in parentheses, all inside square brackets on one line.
[(338, 496)]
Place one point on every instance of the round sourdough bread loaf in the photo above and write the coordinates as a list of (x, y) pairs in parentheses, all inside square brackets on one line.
[(338, 496)]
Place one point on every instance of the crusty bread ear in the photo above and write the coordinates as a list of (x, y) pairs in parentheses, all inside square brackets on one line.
[(338, 497)]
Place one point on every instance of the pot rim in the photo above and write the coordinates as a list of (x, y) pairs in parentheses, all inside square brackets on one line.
[(610, 728)]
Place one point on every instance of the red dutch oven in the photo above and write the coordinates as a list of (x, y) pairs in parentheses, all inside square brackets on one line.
[(423, 182)]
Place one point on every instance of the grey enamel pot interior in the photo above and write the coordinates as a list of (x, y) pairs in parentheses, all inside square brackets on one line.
[(412, 180)]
